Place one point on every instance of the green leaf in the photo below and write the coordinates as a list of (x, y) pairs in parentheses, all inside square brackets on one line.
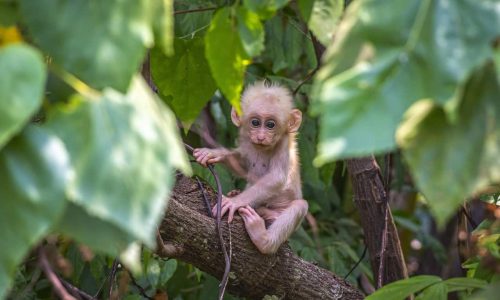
[(401, 289), (451, 160), (251, 31), (322, 17), (285, 43), (226, 56), (168, 269), (101, 42), (463, 283), (22, 79), (384, 60), (164, 26), (97, 233), (184, 80), (123, 149), (34, 168), (265, 8), (438, 291)]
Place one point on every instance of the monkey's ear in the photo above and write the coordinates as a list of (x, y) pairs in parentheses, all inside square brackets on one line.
[(235, 118), (295, 120)]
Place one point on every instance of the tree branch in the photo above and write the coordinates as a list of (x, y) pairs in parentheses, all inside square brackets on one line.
[(253, 275)]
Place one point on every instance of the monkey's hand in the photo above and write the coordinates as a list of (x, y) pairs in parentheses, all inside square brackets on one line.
[(205, 156), (229, 205)]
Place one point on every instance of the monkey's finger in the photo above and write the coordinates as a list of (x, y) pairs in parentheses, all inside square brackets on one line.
[(214, 160), (252, 211), (225, 209), (242, 211), (205, 159), (231, 214)]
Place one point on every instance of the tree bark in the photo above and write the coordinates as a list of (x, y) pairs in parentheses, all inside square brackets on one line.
[(370, 198), (189, 235)]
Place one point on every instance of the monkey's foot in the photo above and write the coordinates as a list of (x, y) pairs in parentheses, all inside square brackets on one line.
[(256, 229)]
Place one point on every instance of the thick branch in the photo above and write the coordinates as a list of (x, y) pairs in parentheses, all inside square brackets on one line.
[(186, 226), (370, 198)]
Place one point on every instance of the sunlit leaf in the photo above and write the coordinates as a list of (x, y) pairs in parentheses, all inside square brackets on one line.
[(383, 60), (226, 56), (164, 26), (401, 289), (265, 8), (184, 80), (451, 160), (251, 31), (30, 202), (101, 42), (123, 149), (22, 79)]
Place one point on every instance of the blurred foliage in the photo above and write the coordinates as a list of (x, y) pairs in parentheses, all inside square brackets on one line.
[(87, 151)]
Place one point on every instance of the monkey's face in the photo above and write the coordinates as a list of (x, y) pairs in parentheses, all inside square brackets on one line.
[(263, 131)]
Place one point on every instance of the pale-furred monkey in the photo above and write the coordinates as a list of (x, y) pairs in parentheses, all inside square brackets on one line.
[(267, 154)]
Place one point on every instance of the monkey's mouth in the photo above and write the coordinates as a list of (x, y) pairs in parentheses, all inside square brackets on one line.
[(261, 144)]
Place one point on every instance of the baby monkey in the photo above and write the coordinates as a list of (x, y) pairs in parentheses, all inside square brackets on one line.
[(267, 158)]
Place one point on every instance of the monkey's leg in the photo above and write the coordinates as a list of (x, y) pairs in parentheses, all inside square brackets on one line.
[(268, 241)]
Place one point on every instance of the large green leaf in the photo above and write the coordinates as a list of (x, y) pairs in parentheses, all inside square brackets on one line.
[(322, 17), (101, 42), (184, 79), (99, 234), (383, 60), (226, 56), (403, 288), (22, 79), (34, 168), (265, 8), (251, 31), (452, 160), (123, 149)]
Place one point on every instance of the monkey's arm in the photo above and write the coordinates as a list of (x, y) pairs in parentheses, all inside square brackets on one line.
[(230, 158)]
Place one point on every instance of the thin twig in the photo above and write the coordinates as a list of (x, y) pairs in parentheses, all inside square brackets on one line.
[(187, 11), (469, 217), (357, 263), (112, 276), (306, 79), (227, 257), (108, 278), (76, 291), (52, 277), (205, 198)]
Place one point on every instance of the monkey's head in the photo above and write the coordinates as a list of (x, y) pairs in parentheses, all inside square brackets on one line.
[(267, 114)]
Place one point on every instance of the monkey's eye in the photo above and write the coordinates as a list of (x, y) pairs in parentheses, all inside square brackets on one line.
[(255, 122), (270, 124)]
